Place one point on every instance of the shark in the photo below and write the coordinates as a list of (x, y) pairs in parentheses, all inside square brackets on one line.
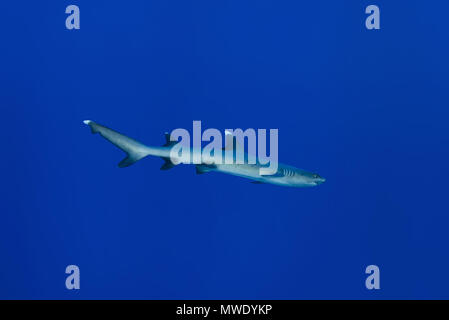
[(285, 175)]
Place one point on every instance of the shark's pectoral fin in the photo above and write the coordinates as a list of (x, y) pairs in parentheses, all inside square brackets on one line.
[(276, 175), (257, 182), (279, 174)]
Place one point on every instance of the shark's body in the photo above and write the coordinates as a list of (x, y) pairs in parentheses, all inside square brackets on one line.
[(250, 168)]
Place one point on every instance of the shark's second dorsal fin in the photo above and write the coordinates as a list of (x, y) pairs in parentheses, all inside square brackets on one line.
[(168, 142)]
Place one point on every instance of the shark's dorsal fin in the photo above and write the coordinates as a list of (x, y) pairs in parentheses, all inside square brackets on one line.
[(230, 141)]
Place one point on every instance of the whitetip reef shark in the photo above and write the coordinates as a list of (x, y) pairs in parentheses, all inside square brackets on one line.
[(284, 176)]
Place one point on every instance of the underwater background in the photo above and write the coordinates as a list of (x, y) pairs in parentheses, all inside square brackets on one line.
[(366, 109)]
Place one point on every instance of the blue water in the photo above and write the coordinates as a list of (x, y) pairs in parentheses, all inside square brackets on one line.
[(367, 110)]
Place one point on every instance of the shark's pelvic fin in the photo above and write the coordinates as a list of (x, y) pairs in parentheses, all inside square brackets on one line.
[(203, 168), (199, 171), (134, 149)]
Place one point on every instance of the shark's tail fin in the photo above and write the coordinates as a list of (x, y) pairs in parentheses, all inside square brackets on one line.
[(134, 149)]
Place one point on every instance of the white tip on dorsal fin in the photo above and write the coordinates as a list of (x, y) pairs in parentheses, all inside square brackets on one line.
[(230, 141)]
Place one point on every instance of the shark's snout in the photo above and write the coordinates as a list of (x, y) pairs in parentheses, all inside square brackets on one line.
[(319, 180)]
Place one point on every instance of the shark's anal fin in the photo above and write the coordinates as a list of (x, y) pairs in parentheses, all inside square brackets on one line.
[(168, 164), (129, 160)]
